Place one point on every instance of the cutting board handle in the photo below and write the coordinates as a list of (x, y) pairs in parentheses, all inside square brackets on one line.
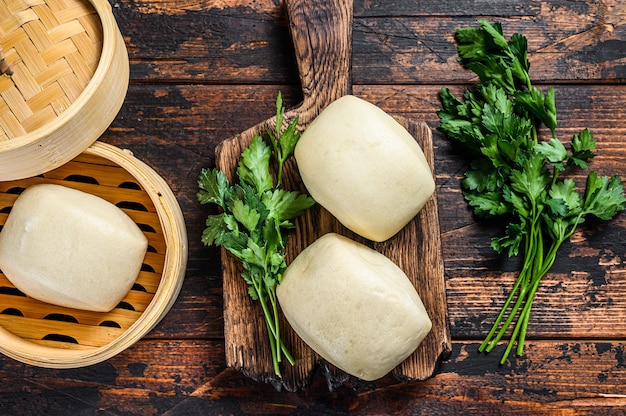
[(322, 36)]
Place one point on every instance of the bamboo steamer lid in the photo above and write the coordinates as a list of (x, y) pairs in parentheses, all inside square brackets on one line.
[(66, 74)]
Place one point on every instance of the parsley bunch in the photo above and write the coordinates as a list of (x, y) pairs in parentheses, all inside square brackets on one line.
[(515, 174), (255, 217)]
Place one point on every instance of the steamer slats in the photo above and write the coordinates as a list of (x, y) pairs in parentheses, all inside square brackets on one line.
[(75, 180), (42, 329), (39, 310)]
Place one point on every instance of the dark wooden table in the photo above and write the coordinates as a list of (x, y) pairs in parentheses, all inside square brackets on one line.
[(204, 71)]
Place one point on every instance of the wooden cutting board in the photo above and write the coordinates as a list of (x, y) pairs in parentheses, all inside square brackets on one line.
[(322, 36)]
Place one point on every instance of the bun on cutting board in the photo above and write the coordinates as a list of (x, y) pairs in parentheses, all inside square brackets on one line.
[(364, 167), (353, 306)]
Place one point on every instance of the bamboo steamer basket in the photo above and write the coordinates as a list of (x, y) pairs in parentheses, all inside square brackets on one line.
[(59, 145), (46, 335), (66, 74)]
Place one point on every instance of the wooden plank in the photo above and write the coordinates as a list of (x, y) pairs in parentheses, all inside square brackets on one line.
[(402, 43), (189, 377), (198, 311), (540, 383), (421, 8), (147, 379), (175, 128), (581, 41), (226, 41)]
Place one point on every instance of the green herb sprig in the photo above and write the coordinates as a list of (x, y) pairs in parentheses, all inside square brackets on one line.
[(515, 174), (256, 214)]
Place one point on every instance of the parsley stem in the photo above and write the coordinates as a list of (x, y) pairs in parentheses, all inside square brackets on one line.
[(538, 253), (486, 346), (516, 329), (527, 293), (271, 322), (273, 349), (533, 256), (537, 277), (535, 136), (512, 314), (273, 301), (523, 321), (279, 174)]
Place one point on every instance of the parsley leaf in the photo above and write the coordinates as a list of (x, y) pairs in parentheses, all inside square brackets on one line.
[(487, 204), (604, 196), (213, 187), (254, 166), (540, 105), (554, 152), (583, 146)]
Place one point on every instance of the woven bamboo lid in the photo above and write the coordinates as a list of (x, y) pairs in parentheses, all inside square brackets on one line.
[(66, 74)]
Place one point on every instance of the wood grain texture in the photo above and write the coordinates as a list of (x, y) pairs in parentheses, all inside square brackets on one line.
[(321, 32), (178, 381), (398, 43), (205, 71)]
